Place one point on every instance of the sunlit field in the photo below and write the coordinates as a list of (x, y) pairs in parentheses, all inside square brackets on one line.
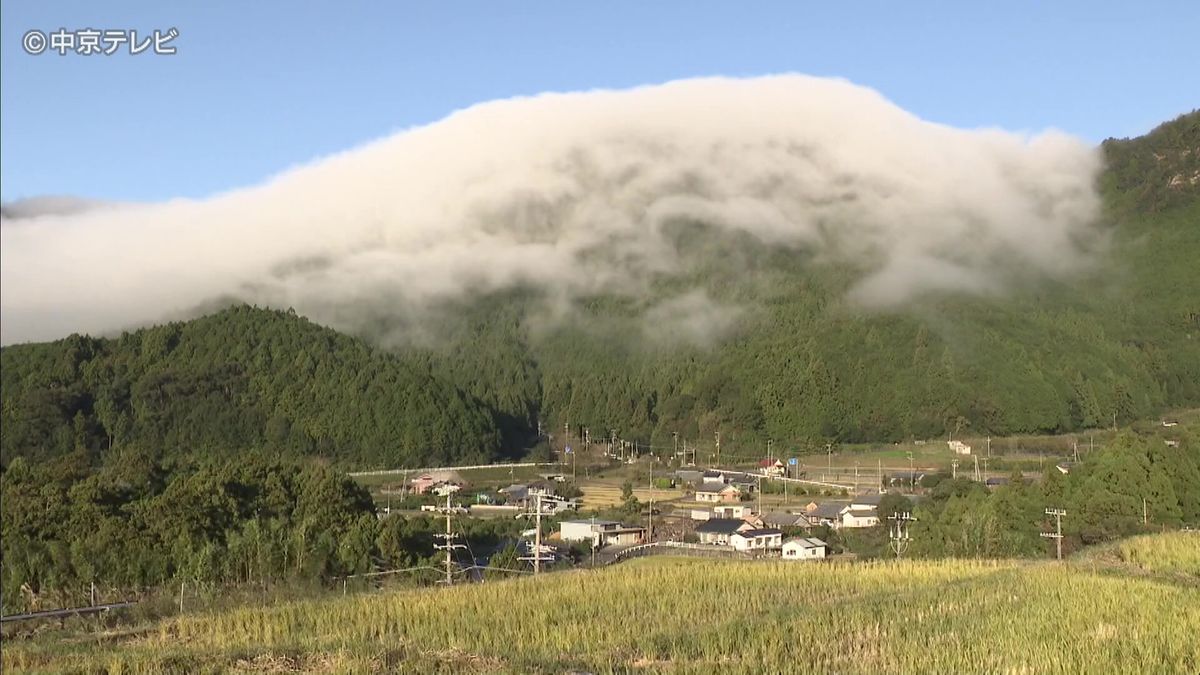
[(691, 615), (1178, 552)]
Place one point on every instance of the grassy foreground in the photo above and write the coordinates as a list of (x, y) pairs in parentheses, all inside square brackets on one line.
[(691, 615)]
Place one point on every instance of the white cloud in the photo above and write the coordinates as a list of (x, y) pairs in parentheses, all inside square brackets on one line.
[(571, 192)]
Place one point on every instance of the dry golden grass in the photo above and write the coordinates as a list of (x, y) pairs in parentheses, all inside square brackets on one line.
[(692, 615)]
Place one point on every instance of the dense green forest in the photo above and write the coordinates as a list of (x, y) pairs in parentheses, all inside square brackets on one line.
[(1136, 484), (238, 381), (798, 366), (142, 521)]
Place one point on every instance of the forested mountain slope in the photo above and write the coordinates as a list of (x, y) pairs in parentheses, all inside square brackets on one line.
[(785, 356), (799, 365), (239, 380)]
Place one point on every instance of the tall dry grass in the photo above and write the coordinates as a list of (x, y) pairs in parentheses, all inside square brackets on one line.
[(691, 615)]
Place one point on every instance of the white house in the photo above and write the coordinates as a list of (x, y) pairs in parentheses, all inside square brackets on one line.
[(600, 532), (732, 511), (762, 539), (444, 489), (586, 530), (771, 467), (719, 530), (859, 517), (959, 447), (804, 548)]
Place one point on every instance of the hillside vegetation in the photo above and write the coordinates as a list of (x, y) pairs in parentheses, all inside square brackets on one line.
[(240, 380), (801, 367), (688, 615), (796, 365)]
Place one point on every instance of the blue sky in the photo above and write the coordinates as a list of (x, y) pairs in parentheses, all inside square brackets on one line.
[(258, 87)]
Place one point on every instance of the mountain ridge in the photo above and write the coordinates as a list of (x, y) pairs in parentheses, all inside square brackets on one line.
[(793, 363)]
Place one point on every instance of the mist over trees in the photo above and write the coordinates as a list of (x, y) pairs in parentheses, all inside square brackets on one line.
[(795, 363)]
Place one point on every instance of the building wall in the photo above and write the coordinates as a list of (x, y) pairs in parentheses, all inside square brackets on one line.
[(853, 521), (623, 538), (713, 538), (755, 544), (576, 531), (803, 553)]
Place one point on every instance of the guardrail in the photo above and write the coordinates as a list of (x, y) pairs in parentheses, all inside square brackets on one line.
[(668, 547), (69, 611), (390, 472)]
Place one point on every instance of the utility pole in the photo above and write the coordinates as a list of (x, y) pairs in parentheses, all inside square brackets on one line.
[(829, 454), (537, 536), (976, 458), (1056, 535), (650, 529), (1144, 518), (769, 455), (898, 532), (989, 447), (760, 496), (954, 469), (912, 478), (675, 440), (449, 546), (587, 438), (718, 435)]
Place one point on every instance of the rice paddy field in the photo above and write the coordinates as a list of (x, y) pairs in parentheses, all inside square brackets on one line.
[(597, 495), (688, 615)]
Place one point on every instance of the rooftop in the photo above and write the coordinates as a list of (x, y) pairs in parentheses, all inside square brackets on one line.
[(720, 526), (806, 542), (760, 532)]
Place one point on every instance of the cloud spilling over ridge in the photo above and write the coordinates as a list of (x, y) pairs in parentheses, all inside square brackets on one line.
[(575, 194)]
